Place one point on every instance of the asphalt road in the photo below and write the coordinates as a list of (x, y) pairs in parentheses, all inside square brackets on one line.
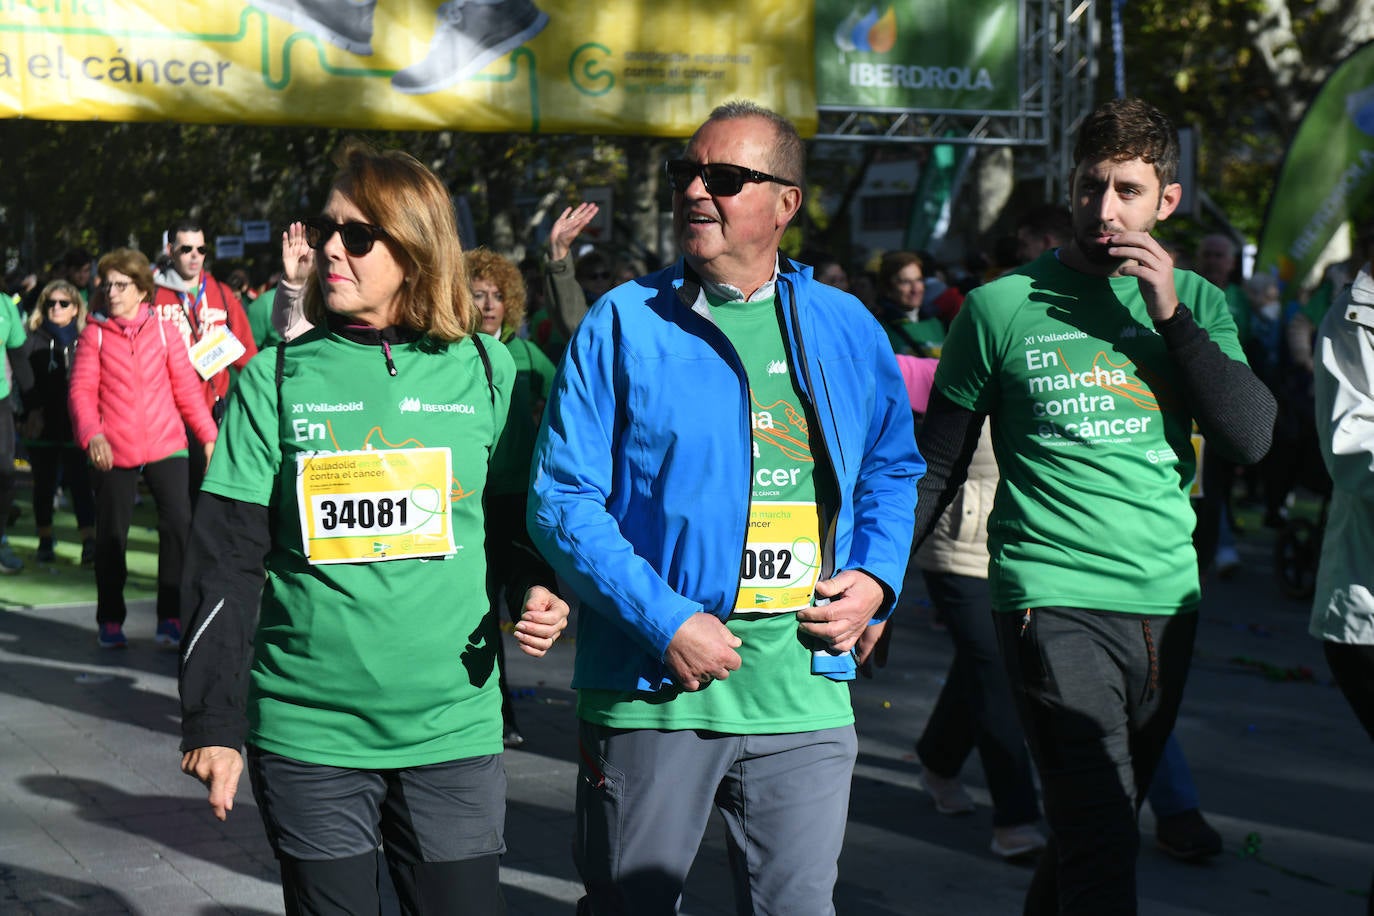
[(96, 818)]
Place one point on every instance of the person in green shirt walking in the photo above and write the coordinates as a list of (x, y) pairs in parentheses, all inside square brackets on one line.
[(350, 482), (12, 337), (1093, 362), (513, 564)]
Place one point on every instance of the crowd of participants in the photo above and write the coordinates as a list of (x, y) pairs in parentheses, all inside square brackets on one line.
[(585, 481)]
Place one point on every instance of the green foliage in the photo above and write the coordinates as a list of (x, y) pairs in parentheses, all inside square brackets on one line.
[(102, 185), (1242, 73)]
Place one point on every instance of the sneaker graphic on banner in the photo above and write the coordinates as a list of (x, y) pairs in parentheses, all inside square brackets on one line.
[(469, 35), (342, 23)]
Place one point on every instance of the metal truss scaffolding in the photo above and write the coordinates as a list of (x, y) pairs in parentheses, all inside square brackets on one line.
[(1057, 70)]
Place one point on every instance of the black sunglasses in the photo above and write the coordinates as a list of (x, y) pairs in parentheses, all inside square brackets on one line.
[(187, 249), (357, 238), (60, 303), (721, 178)]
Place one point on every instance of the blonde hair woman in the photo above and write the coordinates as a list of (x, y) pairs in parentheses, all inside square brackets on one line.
[(350, 481)]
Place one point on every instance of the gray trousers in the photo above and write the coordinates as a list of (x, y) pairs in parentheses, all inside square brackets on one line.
[(644, 798)]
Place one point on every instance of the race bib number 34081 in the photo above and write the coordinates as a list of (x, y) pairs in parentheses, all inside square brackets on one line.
[(362, 507)]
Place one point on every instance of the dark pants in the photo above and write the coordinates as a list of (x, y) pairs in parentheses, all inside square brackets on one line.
[(1098, 693), (196, 465), (441, 828), (975, 707), (1218, 478), (6, 460), (47, 461), (114, 508), (1353, 667)]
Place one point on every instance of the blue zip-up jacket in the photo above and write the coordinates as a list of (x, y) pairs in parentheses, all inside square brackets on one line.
[(640, 488)]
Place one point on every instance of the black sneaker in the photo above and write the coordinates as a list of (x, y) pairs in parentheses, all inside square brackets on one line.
[(1187, 836), (46, 552)]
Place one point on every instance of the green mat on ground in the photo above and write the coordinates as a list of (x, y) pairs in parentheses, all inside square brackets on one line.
[(66, 581)]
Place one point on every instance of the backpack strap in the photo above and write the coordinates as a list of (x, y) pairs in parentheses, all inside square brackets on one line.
[(486, 364), (916, 348)]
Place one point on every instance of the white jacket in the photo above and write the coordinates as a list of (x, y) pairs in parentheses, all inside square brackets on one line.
[(959, 541), (1343, 607)]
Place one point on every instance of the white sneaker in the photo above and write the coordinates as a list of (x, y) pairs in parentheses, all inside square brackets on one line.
[(467, 37), (343, 23), (1227, 561), (948, 793), (1016, 841)]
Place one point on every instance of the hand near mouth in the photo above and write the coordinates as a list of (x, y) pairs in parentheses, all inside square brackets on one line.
[(1146, 260)]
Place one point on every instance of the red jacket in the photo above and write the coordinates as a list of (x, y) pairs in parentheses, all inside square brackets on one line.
[(133, 382), (220, 307)]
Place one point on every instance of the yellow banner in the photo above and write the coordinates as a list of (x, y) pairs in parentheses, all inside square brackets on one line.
[(652, 67)]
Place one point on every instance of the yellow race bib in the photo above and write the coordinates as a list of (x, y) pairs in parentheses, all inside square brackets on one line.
[(782, 559), (215, 352), (363, 507)]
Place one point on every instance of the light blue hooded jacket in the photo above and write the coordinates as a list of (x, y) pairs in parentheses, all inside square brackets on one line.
[(640, 487)]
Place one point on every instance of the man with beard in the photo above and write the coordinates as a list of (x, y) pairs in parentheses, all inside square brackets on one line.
[(1095, 360)]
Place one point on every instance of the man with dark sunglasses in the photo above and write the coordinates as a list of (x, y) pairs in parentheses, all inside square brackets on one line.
[(727, 476), (210, 317)]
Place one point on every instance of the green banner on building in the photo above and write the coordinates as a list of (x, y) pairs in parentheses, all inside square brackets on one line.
[(1328, 169), (950, 55)]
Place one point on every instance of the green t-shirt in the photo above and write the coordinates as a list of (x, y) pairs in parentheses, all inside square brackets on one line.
[(1239, 307), (510, 463), (773, 691), (369, 664), (1091, 434), (928, 334), (12, 337), (259, 313)]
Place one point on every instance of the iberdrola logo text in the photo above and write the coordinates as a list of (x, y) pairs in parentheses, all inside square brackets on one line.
[(874, 33)]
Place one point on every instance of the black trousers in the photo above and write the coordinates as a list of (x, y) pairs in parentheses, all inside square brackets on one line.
[(7, 482), (47, 461), (114, 509), (975, 708), (1097, 692), (1353, 667)]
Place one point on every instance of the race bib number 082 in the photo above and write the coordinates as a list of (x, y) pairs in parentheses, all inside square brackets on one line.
[(781, 561), (368, 506)]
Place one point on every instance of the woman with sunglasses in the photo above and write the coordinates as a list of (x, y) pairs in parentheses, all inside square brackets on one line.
[(350, 481), (54, 324), (133, 396)]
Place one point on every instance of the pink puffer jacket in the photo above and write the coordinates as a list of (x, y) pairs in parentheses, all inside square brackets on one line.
[(128, 384)]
